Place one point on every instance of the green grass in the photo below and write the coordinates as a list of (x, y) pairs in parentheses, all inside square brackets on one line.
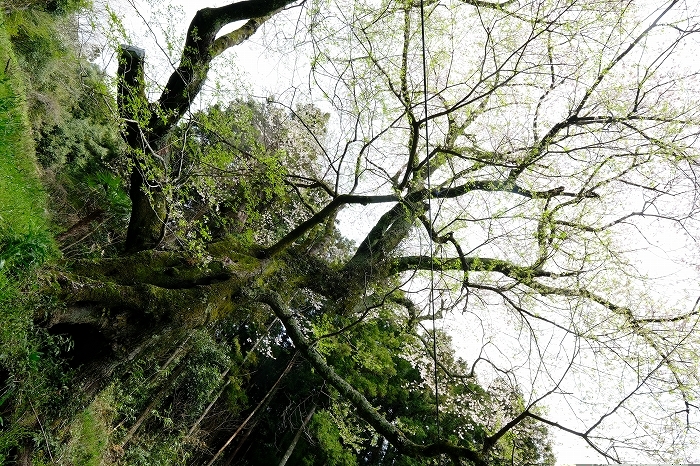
[(24, 239), (22, 198), (90, 432), (25, 243)]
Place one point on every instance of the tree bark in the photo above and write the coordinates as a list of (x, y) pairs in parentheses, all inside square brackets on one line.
[(149, 207)]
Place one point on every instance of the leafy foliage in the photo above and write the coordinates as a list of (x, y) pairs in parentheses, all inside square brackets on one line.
[(76, 134), (230, 172), (55, 7)]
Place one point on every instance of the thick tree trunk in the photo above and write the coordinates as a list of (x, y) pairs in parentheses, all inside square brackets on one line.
[(103, 348), (122, 309), (149, 213), (149, 206)]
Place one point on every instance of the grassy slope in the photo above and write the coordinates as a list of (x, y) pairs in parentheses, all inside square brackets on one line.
[(25, 243), (22, 217), (22, 199)]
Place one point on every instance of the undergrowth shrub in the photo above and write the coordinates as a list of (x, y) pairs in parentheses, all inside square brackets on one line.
[(31, 373), (19, 253), (76, 133), (57, 7), (33, 378)]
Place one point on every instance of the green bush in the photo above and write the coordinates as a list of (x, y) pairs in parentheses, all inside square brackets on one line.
[(328, 436), (88, 136), (32, 377), (76, 134)]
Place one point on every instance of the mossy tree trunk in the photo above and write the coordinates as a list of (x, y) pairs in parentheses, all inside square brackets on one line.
[(119, 309), (149, 207), (147, 124)]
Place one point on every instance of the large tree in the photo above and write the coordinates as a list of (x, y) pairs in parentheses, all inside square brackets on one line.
[(549, 141)]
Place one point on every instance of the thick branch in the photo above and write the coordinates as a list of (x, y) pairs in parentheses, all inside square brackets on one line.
[(201, 46), (364, 408), (386, 235), (493, 5), (472, 264), (324, 213), (503, 186), (394, 225), (239, 35), (147, 299)]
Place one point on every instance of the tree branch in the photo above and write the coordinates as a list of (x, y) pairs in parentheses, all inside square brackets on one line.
[(472, 264), (304, 227), (201, 46), (364, 408)]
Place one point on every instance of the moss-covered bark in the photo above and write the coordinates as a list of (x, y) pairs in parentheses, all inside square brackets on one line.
[(149, 207), (120, 309)]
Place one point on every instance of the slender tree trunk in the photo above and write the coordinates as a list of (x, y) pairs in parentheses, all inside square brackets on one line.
[(221, 391), (241, 442), (164, 391), (262, 403), (24, 458), (208, 408), (297, 436), (160, 395)]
